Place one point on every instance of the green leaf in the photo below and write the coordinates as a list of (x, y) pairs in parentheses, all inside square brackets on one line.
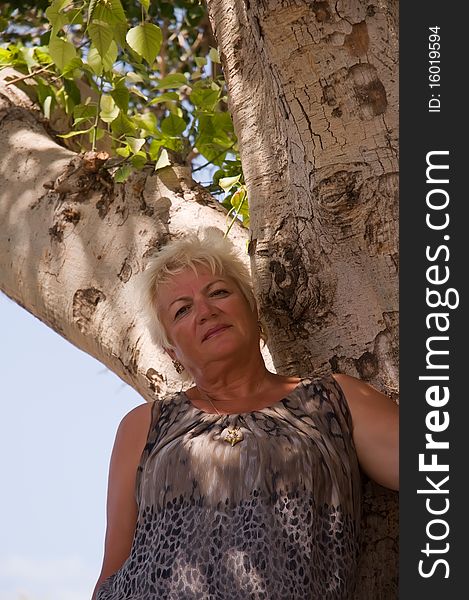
[(101, 35), (240, 206), (135, 144), (214, 56), (75, 16), (118, 11), (102, 11), (5, 56), (227, 183), (109, 111), (121, 96), (154, 148), (227, 204), (165, 97), (215, 137), (134, 77), (122, 173), (29, 58), (44, 90), (55, 15), (145, 40), (139, 160), (238, 199), (122, 125), (120, 31), (160, 140), (138, 93), (109, 13), (175, 80), (205, 98), (61, 52), (82, 113), (100, 64), (163, 161), (111, 56), (175, 144), (145, 4), (174, 109), (228, 170), (123, 151), (72, 70), (94, 60), (42, 55), (145, 121), (223, 122), (72, 91), (173, 125), (47, 106), (200, 61)]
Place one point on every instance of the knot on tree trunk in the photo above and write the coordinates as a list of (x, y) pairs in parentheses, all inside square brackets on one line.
[(85, 172), (85, 303)]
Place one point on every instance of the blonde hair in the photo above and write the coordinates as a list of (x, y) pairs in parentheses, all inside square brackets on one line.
[(210, 250)]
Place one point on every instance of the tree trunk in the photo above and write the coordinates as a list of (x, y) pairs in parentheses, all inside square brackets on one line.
[(314, 97), (73, 243)]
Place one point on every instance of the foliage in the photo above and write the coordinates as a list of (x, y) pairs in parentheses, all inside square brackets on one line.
[(139, 80)]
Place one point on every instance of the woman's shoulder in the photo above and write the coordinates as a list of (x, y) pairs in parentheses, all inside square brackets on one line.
[(336, 382), (329, 382), (135, 424), (326, 394), (137, 414)]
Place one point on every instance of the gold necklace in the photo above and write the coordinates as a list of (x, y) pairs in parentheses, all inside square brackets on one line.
[(233, 434)]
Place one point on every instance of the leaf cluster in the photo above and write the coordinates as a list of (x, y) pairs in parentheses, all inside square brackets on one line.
[(141, 80)]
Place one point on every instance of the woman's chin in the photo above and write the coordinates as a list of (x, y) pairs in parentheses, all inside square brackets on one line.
[(225, 347)]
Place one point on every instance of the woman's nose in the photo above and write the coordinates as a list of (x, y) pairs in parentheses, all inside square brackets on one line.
[(205, 309)]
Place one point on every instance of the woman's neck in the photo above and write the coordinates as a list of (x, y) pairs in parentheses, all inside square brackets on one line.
[(241, 395), (230, 385)]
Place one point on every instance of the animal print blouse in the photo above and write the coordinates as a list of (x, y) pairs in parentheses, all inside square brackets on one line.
[(258, 505)]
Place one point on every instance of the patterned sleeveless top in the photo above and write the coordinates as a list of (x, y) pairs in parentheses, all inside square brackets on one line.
[(275, 516)]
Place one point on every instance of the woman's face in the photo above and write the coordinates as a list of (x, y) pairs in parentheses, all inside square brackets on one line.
[(207, 319)]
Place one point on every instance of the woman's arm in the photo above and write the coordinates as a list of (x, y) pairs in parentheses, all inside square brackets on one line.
[(130, 441), (375, 430)]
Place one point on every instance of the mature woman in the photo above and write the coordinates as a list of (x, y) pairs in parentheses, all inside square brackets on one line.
[(246, 485)]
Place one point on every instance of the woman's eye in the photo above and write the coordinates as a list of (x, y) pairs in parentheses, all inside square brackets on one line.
[(219, 292), (181, 311)]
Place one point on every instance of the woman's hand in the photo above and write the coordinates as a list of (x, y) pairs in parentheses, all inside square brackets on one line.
[(375, 430)]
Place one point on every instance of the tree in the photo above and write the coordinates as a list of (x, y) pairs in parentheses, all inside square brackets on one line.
[(312, 88)]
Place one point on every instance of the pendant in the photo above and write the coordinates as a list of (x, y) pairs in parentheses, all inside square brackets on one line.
[(234, 435)]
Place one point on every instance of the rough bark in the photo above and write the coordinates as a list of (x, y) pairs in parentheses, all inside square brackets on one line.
[(72, 242), (314, 97)]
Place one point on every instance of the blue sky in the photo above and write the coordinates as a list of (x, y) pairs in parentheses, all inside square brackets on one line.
[(60, 412)]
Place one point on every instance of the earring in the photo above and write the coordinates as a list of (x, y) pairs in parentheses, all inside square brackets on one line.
[(179, 367)]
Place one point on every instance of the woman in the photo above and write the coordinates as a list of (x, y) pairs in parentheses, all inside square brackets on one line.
[(247, 485)]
